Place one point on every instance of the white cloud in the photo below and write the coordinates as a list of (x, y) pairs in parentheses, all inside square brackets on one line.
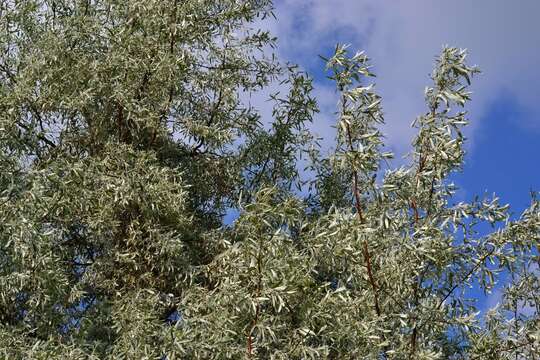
[(402, 38)]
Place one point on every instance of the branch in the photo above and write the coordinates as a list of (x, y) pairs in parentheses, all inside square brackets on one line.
[(39, 136), (213, 113), (258, 295), (466, 277), (356, 192)]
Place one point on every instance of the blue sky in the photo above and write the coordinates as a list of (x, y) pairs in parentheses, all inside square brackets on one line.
[(402, 38)]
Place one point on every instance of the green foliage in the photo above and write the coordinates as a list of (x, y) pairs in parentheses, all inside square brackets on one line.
[(125, 139)]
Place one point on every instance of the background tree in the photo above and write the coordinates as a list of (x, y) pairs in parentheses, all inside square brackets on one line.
[(125, 140)]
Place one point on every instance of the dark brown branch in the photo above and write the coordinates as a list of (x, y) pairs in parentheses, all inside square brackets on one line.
[(421, 164), (210, 121), (358, 206), (469, 273), (120, 121), (39, 136), (257, 296), (451, 291)]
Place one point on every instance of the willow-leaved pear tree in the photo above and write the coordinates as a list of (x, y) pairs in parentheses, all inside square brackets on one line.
[(126, 137)]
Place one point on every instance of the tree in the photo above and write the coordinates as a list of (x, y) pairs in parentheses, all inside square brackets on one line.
[(125, 139)]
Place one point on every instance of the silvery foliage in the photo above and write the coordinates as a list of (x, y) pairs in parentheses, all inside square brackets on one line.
[(125, 137)]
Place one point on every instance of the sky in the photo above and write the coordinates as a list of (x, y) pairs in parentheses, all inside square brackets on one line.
[(402, 38)]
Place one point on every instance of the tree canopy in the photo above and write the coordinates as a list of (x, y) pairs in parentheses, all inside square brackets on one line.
[(126, 136)]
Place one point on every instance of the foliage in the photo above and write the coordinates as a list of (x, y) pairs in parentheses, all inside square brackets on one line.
[(126, 138)]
